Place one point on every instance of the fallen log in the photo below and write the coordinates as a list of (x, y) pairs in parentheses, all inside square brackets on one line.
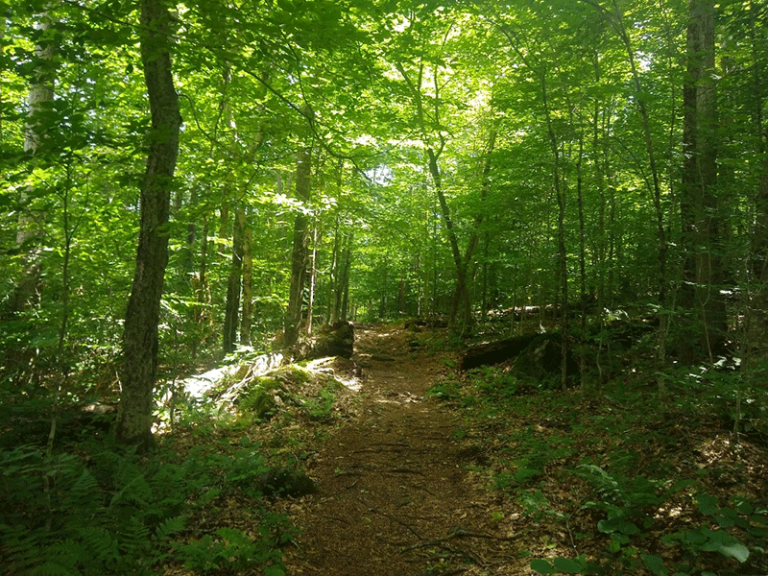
[(496, 352)]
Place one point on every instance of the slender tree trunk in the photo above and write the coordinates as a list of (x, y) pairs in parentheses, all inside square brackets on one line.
[(344, 279), (247, 319), (559, 186), (140, 340), (313, 275), (401, 286), (200, 288), (582, 261), (334, 297), (485, 304), (461, 277), (234, 286), (384, 290)]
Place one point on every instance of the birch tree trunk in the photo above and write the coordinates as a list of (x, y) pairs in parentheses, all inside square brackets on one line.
[(26, 291)]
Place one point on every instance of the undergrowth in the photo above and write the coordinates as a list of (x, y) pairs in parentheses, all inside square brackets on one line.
[(633, 485), (101, 511)]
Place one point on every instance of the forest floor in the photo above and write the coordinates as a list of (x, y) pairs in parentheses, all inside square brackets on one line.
[(421, 470), (395, 497)]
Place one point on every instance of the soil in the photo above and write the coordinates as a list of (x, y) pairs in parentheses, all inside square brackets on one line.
[(395, 495)]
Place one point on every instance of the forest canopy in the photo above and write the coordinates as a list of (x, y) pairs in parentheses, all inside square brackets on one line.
[(241, 170)]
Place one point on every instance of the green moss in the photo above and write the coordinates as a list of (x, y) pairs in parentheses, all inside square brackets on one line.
[(259, 400), (299, 373)]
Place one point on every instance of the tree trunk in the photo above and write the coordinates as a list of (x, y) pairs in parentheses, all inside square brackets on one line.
[(247, 319), (582, 262), (232, 308), (200, 289), (384, 289), (474, 237), (312, 276), (333, 283), (299, 254), (461, 276), (561, 249), (140, 340), (26, 292), (344, 279), (702, 270)]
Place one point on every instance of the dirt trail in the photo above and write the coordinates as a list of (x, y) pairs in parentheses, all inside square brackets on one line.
[(395, 498)]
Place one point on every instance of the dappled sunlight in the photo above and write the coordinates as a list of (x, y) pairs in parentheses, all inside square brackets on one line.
[(325, 366)]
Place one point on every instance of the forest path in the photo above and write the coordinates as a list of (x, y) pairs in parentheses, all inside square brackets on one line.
[(395, 498)]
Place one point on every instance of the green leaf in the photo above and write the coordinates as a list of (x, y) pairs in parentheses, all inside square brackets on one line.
[(735, 550), (273, 571), (621, 525), (707, 504), (542, 567), (655, 564), (568, 566)]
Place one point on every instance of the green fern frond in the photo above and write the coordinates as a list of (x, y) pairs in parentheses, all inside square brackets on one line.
[(99, 543), (170, 527), (605, 484), (53, 568), (134, 536)]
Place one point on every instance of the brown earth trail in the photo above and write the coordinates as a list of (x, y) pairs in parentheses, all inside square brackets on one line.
[(395, 497)]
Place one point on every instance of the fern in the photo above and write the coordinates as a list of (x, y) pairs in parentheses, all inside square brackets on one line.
[(99, 543), (115, 514), (53, 568), (170, 527), (605, 485)]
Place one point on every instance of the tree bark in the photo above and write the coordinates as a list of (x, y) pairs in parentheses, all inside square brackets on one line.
[(247, 319), (702, 269), (299, 254), (232, 308), (27, 290), (559, 186), (474, 237), (756, 346), (344, 279), (461, 276), (313, 276), (140, 339), (334, 297)]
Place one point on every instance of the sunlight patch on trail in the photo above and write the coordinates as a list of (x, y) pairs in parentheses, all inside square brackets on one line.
[(325, 366)]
